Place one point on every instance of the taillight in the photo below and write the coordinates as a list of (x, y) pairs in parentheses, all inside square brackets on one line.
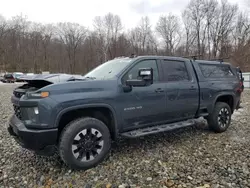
[(239, 89)]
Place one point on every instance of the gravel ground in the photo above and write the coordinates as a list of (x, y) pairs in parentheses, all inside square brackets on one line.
[(190, 157)]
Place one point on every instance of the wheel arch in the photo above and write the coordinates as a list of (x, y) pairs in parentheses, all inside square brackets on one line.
[(228, 98), (113, 127)]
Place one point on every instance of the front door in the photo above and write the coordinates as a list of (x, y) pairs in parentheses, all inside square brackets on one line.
[(143, 106)]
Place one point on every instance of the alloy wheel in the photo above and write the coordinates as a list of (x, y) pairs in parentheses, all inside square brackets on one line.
[(87, 144)]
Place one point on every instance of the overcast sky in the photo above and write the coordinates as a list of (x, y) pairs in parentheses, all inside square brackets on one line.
[(83, 11)]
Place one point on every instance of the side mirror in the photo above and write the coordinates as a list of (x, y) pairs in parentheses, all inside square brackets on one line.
[(146, 75)]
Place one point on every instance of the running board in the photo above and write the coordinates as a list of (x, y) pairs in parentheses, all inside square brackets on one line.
[(203, 114), (157, 129)]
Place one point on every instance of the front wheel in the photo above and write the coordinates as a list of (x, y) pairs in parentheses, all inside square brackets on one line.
[(220, 119), (84, 143)]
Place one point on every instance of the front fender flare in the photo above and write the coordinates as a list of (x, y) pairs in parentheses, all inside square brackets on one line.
[(84, 106)]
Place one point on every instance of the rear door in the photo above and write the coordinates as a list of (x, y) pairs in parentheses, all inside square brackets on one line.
[(182, 91)]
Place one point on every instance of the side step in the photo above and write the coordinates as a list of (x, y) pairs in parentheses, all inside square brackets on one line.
[(157, 129), (203, 114)]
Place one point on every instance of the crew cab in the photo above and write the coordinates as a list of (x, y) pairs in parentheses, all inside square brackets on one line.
[(124, 97)]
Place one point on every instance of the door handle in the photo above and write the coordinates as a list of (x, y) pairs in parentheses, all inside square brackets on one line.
[(159, 90)]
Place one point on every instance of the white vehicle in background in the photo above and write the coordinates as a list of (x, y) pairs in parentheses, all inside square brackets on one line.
[(45, 72), (30, 74), (17, 76), (24, 76)]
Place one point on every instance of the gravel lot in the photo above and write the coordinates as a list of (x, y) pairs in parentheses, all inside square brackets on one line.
[(191, 157)]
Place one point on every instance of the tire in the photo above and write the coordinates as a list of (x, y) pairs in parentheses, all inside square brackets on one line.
[(89, 140), (220, 118)]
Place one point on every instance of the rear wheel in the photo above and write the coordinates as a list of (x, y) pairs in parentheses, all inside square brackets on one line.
[(220, 119), (84, 143)]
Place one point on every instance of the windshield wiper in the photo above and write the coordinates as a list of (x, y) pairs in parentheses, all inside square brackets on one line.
[(76, 79)]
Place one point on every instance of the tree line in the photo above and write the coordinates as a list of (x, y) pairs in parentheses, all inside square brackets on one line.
[(211, 29)]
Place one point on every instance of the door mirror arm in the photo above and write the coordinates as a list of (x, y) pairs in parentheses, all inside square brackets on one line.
[(127, 88)]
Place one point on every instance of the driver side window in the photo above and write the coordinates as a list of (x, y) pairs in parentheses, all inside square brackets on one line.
[(133, 72)]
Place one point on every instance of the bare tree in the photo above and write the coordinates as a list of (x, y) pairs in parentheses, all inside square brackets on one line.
[(228, 15), (211, 12), (196, 11), (72, 35), (144, 31), (223, 27), (189, 32), (134, 39), (141, 36), (108, 30), (3, 31), (47, 34), (153, 44), (19, 26), (35, 36), (241, 32), (212, 28), (169, 29)]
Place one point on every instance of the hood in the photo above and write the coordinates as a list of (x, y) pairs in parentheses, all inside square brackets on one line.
[(46, 79), (80, 87), (35, 82), (42, 80), (51, 78)]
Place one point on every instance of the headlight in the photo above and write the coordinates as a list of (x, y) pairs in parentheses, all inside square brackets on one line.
[(42, 94)]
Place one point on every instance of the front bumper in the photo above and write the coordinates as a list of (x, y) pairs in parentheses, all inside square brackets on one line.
[(32, 139)]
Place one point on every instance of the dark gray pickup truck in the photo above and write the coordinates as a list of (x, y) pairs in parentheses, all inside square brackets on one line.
[(124, 97)]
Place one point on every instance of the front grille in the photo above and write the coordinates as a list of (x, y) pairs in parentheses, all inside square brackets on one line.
[(18, 94), (17, 111)]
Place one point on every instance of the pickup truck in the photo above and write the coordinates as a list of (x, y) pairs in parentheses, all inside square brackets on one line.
[(124, 97)]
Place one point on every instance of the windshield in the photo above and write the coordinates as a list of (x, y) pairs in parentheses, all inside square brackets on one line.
[(109, 69), (18, 74)]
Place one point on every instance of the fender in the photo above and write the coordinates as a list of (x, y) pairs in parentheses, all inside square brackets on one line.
[(65, 110), (223, 94)]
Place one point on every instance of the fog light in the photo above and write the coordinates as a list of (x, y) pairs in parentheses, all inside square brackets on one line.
[(36, 110)]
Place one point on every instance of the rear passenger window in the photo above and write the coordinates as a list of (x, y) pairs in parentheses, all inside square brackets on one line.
[(175, 71), (215, 71)]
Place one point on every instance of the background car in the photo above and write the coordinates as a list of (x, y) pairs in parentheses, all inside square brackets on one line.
[(29, 74), (8, 78), (1, 78), (17, 76)]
